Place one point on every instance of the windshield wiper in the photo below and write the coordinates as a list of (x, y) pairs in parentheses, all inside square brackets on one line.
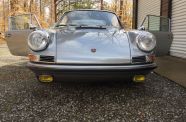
[(84, 26), (66, 25), (90, 27), (60, 25)]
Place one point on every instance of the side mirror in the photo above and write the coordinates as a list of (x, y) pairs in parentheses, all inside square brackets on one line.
[(33, 27), (141, 28)]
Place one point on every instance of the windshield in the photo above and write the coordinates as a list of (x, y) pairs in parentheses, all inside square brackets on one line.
[(89, 18)]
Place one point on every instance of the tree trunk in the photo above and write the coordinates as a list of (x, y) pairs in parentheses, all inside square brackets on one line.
[(101, 5), (4, 15), (55, 14), (31, 2)]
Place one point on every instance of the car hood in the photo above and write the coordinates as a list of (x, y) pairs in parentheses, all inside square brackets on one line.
[(92, 46)]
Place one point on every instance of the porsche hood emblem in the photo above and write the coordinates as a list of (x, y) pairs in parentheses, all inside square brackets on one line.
[(93, 50)]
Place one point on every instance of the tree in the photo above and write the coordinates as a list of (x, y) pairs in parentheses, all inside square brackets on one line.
[(65, 5), (4, 13), (123, 8), (83, 5), (48, 11)]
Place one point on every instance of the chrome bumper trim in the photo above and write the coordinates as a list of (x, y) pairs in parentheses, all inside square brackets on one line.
[(89, 67)]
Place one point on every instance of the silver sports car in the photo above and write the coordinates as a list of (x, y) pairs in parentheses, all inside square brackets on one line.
[(82, 44)]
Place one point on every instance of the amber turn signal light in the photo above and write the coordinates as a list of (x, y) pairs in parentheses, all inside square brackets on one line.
[(32, 57), (151, 58)]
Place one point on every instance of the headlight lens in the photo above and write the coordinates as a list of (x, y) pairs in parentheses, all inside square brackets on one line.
[(38, 40), (146, 42)]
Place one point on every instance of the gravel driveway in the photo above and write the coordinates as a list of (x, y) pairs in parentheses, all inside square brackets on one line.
[(22, 98)]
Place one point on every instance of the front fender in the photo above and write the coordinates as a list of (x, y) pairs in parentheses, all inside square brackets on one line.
[(51, 49), (135, 51)]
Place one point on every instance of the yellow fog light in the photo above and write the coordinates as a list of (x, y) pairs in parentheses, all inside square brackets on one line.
[(45, 78), (139, 78)]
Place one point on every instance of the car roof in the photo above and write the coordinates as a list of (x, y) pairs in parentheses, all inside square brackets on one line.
[(91, 10)]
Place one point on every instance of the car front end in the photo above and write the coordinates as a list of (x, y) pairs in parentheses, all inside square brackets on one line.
[(88, 52)]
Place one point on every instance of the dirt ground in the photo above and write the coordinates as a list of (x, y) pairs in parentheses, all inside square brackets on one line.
[(2, 41)]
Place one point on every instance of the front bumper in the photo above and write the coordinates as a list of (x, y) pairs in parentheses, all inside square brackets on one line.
[(66, 67), (59, 70)]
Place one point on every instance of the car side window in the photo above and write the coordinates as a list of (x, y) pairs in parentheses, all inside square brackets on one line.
[(23, 22), (156, 23), (64, 20), (20, 22)]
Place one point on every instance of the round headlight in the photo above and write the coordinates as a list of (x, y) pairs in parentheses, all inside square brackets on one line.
[(38, 40), (146, 42)]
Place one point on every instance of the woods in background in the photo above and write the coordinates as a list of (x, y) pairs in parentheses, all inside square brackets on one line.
[(48, 11), (41, 8), (124, 9)]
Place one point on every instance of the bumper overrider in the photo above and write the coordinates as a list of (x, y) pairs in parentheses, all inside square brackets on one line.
[(74, 71)]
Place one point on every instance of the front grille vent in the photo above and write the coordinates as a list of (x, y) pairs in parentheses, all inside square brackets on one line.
[(47, 58), (139, 59)]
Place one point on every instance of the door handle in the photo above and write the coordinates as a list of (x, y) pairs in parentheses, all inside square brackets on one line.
[(8, 35)]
